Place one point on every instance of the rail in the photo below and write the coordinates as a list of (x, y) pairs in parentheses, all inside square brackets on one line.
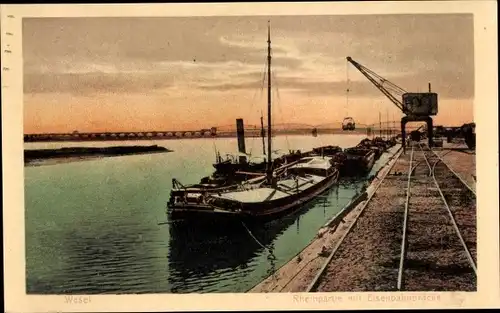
[(414, 163), (404, 241), (313, 285), (405, 225), (455, 225), (455, 173)]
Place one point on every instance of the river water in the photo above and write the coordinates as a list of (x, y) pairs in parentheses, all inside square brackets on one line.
[(95, 227)]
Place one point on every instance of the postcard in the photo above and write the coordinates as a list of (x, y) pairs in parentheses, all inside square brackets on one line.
[(250, 156)]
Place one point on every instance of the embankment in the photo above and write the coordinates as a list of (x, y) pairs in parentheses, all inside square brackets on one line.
[(71, 154)]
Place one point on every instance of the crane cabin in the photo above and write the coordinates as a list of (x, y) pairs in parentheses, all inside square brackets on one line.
[(420, 104), (417, 106)]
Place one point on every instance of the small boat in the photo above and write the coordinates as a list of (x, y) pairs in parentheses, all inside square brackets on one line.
[(328, 150), (235, 166), (358, 161), (240, 162), (369, 144)]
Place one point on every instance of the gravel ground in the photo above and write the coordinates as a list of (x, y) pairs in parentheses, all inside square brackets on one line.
[(435, 259), (462, 161), (368, 260), (462, 203)]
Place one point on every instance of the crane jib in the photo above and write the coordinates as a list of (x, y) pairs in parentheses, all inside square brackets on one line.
[(414, 104)]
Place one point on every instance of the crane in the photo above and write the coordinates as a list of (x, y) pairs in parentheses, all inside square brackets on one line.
[(415, 105)]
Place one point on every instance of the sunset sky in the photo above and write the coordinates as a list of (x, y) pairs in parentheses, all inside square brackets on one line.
[(173, 73)]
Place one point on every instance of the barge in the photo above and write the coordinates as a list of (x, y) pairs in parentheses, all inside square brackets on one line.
[(358, 161)]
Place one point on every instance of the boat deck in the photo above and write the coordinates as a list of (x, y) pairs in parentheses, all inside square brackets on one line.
[(262, 194)]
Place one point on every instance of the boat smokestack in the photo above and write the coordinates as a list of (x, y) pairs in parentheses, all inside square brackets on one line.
[(240, 131), (429, 87)]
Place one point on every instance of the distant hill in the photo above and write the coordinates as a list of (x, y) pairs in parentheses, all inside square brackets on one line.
[(291, 126), (280, 126)]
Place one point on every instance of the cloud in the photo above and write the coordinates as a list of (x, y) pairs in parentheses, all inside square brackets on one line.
[(229, 53), (230, 87), (94, 83), (360, 88)]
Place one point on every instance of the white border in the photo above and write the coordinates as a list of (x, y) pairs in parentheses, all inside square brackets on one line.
[(485, 115)]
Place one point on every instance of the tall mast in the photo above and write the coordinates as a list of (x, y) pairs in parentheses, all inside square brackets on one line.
[(269, 160), (379, 123), (387, 123), (262, 134)]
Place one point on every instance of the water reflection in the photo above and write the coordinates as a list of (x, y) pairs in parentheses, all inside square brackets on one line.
[(200, 253), (92, 227), (108, 260)]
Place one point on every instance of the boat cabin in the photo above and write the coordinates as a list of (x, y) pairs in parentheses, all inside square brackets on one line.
[(317, 166), (234, 158)]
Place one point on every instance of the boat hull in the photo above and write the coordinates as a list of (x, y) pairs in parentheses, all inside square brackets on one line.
[(356, 165), (250, 212)]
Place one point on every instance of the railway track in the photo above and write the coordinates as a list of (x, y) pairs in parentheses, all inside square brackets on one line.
[(417, 233)]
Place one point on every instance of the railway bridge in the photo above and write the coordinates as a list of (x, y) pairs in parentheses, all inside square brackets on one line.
[(81, 136)]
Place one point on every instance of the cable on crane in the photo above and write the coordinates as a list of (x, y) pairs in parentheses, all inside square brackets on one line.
[(348, 123)]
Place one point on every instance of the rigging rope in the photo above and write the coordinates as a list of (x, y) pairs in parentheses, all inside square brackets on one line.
[(261, 87), (279, 108)]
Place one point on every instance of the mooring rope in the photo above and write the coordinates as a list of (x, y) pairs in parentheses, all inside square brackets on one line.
[(257, 241)]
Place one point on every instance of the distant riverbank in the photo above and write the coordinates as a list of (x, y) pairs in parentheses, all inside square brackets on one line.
[(38, 157), (134, 136)]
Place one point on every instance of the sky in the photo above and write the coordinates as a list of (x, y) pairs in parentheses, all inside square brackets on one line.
[(189, 73)]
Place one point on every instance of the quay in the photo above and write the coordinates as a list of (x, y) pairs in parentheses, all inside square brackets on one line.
[(413, 229)]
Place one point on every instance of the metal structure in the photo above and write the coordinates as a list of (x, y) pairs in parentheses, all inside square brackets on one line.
[(348, 124), (417, 107)]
